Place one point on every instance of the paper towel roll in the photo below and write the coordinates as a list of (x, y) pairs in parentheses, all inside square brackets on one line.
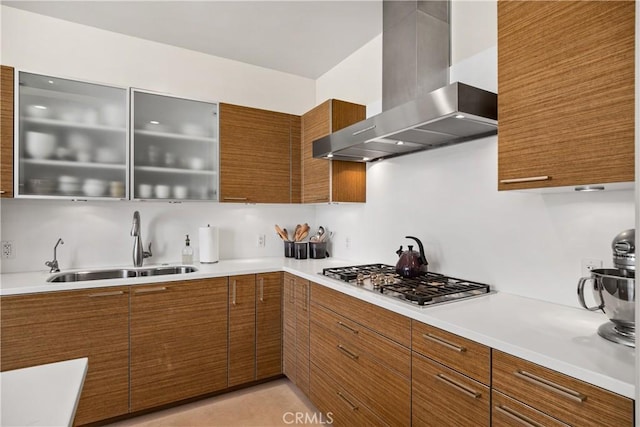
[(208, 244)]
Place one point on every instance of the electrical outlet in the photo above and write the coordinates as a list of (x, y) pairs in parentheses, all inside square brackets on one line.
[(261, 240), (589, 264), (7, 249)]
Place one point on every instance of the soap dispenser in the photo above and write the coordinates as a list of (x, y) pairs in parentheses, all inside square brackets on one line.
[(187, 252)]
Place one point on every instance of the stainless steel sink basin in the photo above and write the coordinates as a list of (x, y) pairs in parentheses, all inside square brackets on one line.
[(120, 273)]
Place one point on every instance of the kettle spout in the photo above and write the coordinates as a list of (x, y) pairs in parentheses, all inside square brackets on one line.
[(399, 251)]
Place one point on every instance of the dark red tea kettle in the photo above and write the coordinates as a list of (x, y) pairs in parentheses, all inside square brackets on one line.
[(411, 263)]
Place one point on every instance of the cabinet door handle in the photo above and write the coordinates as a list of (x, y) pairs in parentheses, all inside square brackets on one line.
[(444, 342), (348, 352), (358, 132), (106, 294), (344, 325), (239, 199), (455, 384), (2, 192), (262, 289), (233, 292), (343, 397), (551, 386), (150, 290), (517, 416), (306, 297), (527, 179)]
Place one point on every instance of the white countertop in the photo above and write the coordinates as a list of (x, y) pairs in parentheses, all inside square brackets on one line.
[(558, 337), (44, 395)]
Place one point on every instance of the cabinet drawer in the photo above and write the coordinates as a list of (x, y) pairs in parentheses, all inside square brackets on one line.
[(443, 397), (362, 339), (340, 407), (385, 322), (381, 389), (507, 412), (563, 397), (461, 354)]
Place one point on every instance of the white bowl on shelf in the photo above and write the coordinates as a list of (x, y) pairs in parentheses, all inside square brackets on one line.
[(163, 191), (196, 163), (180, 191), (68, 184), (94, 187), (40, 145), (145, 191)]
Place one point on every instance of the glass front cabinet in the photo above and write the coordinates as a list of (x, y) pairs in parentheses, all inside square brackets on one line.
[(174, 148), (71, 140), (78, 140)]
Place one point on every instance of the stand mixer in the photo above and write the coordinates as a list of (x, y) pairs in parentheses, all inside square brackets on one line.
[(614, 289)]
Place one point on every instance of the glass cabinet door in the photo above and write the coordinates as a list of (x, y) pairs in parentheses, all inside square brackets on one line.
[(174, 148), (71, 139)]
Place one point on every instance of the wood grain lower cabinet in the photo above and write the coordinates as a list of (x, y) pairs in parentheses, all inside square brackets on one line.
[(268, 325), (256, 155), (443, 397), (178, 341), (6, 130), (242, 329), (51, 327), (355, 361), (562, 397), (323, 180)]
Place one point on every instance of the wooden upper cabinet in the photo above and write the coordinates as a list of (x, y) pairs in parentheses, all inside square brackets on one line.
[(256, 155), (178, 341), (6, 131), (566, 93), (55, 326), (331, 180)]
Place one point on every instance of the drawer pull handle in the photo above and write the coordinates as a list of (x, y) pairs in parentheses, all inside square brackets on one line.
[(240, 199), (306, 297), (149, 290), (444, 342), (292, 291), (2, 192), (343, 397), (517, 416), (344, 325), (106, 294), (546, 384), (455, 384), (348, 352), (527, 179)]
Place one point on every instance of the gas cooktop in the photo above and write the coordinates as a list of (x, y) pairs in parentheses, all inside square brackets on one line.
[(424, 290)]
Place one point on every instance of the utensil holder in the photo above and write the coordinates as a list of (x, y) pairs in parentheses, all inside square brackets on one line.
[(317, 250), (300, 250), (289, 249)]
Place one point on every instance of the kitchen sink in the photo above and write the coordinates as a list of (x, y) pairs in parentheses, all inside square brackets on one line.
[(119, 273)]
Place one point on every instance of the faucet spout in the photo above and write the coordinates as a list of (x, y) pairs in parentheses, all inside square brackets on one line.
[(53, 265), (139, 254)]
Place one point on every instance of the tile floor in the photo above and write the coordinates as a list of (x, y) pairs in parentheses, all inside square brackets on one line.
[(276, 403)]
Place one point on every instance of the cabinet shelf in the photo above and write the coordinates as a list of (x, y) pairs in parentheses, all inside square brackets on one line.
[(72, 125), (159, 169), (73, 164), (171, 135)]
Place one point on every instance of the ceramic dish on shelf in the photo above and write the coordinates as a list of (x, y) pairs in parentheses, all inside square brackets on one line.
[(94, 187), (40, 145), (68, 184), (180, 191)]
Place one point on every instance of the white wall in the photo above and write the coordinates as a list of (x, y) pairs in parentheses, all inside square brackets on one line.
[(43, 44), (524, 243)]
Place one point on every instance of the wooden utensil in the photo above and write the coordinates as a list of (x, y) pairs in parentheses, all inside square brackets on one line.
[(282, 233), (296, 233)]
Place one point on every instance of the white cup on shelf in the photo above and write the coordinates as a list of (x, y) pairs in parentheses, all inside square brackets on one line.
[(145, 191), (163, 191)]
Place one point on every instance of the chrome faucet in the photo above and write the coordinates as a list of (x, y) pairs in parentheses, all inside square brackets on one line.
[(139, 254), (53, 265)]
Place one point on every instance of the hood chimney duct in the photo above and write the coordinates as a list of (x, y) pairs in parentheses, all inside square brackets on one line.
[(415, 49)]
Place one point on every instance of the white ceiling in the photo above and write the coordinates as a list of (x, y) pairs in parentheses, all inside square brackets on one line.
[(306, 38)]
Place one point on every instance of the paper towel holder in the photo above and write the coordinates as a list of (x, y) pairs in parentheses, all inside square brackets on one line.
[(208, 237)]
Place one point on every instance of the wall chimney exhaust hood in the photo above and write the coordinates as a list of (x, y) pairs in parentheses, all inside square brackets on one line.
[(421, 111)]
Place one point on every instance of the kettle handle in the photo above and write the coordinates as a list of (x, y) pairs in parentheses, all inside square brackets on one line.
[(583, 303), (423, 259)]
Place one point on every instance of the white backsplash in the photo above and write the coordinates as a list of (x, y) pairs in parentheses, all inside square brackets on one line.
[(96, 234), (525, 243)]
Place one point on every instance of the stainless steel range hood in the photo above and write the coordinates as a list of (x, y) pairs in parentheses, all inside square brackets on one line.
[(422, 111)]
